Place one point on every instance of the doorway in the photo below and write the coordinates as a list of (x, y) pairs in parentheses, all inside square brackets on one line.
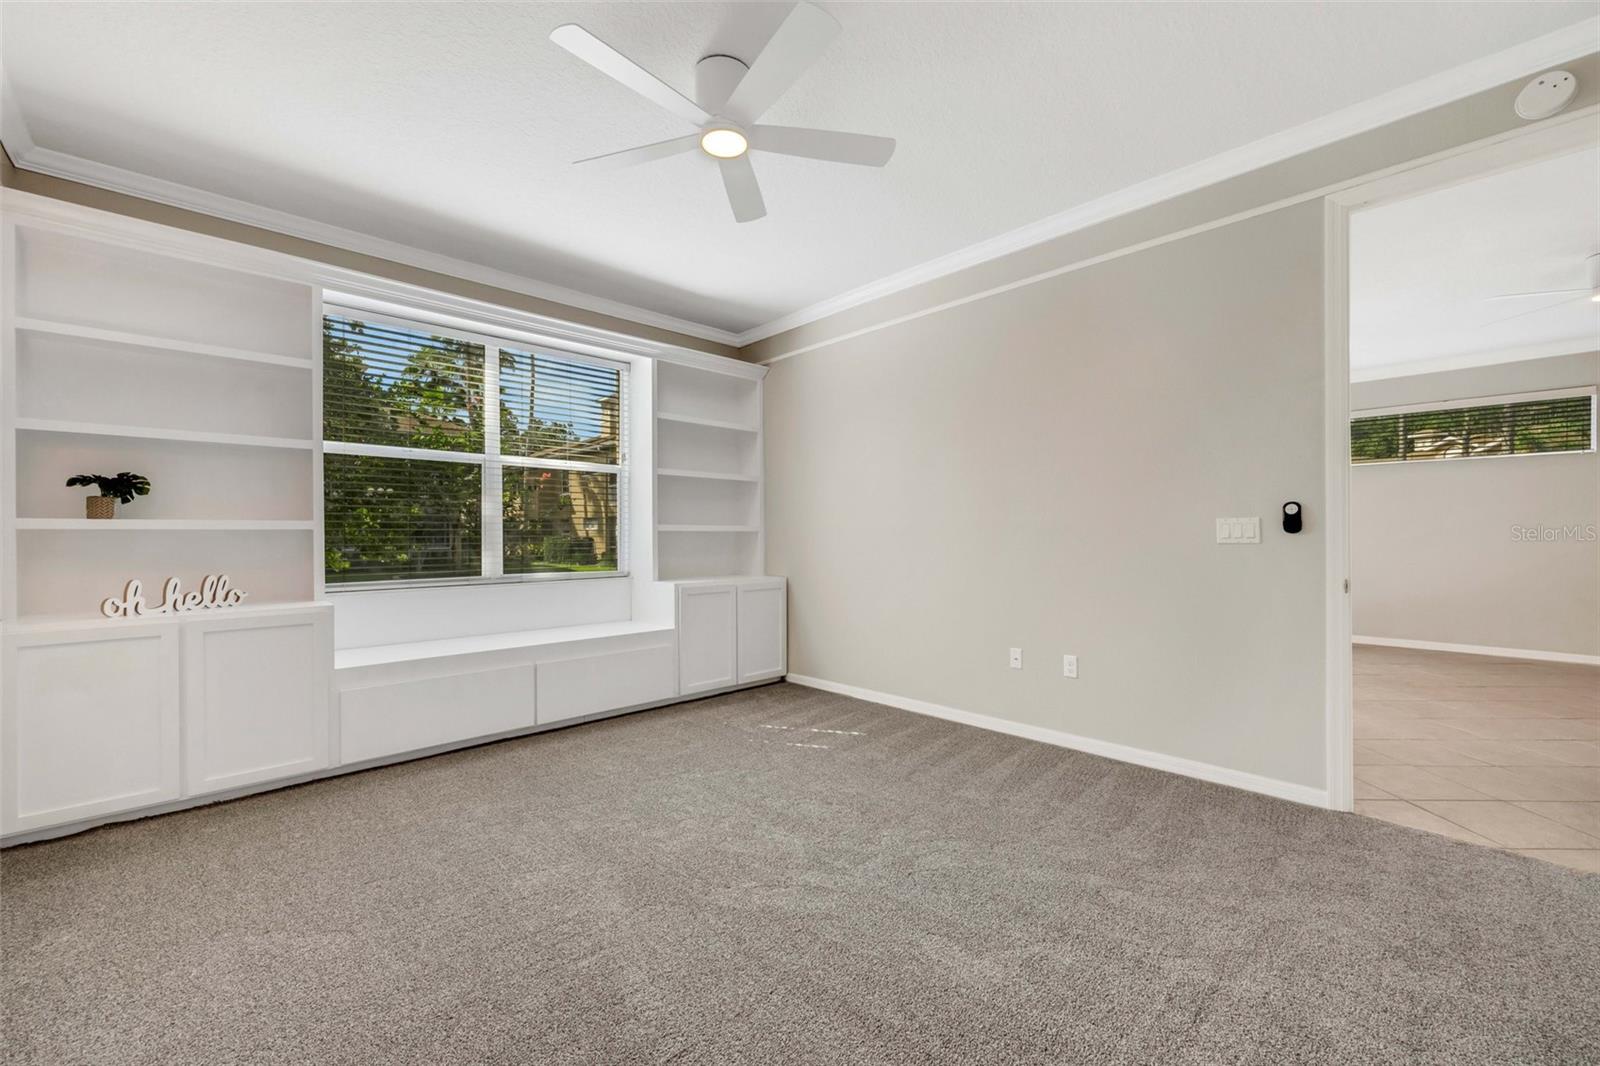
[(1464, 655)]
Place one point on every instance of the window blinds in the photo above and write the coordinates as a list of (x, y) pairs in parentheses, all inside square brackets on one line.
[(401, 519), (1559, 424), (388, 385), (558, 409), (540, 482)]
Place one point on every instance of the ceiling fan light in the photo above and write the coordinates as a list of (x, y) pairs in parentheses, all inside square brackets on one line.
[(724, 143)]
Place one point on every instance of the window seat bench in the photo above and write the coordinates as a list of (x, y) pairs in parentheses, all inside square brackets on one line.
[(397, 699), (383, 654)]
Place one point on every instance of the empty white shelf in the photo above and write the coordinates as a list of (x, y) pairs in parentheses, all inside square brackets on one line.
[(708, 475), (707, 529), (162, 344), (694, 420), (101, 429), (135, 525)]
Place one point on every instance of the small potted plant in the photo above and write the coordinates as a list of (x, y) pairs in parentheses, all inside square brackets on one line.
[(123, 486)]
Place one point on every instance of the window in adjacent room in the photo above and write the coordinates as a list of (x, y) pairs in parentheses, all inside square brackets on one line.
[(1556, 422), (420, 485)]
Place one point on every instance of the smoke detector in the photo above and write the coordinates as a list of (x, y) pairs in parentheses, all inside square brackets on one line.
[(1546, 95)]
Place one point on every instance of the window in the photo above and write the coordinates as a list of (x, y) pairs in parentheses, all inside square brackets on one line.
[(420, 486), (1562, 422)]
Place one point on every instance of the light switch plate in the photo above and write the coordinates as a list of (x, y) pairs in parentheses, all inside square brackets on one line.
[(1239, 530), (1016, 658)]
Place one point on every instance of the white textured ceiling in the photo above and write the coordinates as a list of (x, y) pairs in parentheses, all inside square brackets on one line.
[(1424, 271), (450, 127)]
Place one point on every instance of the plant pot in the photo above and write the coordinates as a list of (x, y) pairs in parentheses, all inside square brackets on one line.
[(100, 506)]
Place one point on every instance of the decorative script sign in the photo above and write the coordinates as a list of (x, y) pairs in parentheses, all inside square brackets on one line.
[(213, 592)]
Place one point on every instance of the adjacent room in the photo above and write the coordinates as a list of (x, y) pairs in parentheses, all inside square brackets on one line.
[(1474, 512), (799, 532)]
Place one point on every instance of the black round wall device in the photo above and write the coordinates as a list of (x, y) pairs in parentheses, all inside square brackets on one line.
[(1291, 517)]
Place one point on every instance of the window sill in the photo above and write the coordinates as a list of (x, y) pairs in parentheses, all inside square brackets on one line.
[(470, 582)]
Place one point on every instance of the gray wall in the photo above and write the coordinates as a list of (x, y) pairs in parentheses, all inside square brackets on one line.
[(961, 468), (1043, 469), (1433, 552)]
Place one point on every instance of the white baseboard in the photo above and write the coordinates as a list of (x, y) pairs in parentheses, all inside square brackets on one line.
[(1480, 649), (1220, 775)]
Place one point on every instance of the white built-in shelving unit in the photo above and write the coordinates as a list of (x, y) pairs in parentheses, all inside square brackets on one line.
[(126, 346), (203, 378), (708, 450)]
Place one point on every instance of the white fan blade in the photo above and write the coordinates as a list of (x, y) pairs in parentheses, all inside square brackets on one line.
[(1534, 311), (798, 42), (645, 153), (859, 148), (739, 178), (607, 60), (1541, 292)]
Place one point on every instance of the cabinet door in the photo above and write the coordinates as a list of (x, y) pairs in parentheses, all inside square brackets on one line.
[(707, 638), (762, 631), (255, 700), (89, 722)]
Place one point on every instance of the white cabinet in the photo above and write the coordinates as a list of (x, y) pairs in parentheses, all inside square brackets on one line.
[(708, 643), (730, 633), (104, 717), (763, 630), (255, 699), (90, 723)]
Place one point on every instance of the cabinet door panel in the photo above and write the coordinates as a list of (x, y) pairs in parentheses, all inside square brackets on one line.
[(255, 700), (392, 717), (90, 724), (762, 631), (707, 638), (592, 684)]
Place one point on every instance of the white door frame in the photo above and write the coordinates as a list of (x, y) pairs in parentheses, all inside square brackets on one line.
[(1542, 140)]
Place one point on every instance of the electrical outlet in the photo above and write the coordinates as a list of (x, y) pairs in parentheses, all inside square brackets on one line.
[(1069, 666), (1016, 658)]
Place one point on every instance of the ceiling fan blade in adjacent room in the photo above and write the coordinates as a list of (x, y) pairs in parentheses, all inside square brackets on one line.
[(861, 149), (1540, 292), (1533, 311), (744, 193), (607, 60), (805, 32), (645, 153)]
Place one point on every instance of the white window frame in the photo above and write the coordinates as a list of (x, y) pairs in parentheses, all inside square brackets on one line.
[(492, 463)]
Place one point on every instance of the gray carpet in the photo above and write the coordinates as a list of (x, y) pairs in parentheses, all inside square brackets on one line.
[(787, 876)]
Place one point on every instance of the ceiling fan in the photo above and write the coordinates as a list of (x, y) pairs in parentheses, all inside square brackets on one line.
[(730, 96), (1592, 292)]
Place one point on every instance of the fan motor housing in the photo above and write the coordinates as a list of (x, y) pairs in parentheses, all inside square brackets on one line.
[(714, 80)]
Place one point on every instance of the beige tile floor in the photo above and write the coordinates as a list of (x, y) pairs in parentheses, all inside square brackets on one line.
[(1499, 752)]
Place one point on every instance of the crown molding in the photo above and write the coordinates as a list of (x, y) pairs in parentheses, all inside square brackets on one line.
[(1530, 57), (1470, 360), (13, 129), (343, 283), (28, 156)]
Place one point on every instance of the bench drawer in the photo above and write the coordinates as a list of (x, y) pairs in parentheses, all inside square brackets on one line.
[(400, 716), (572, 688)]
